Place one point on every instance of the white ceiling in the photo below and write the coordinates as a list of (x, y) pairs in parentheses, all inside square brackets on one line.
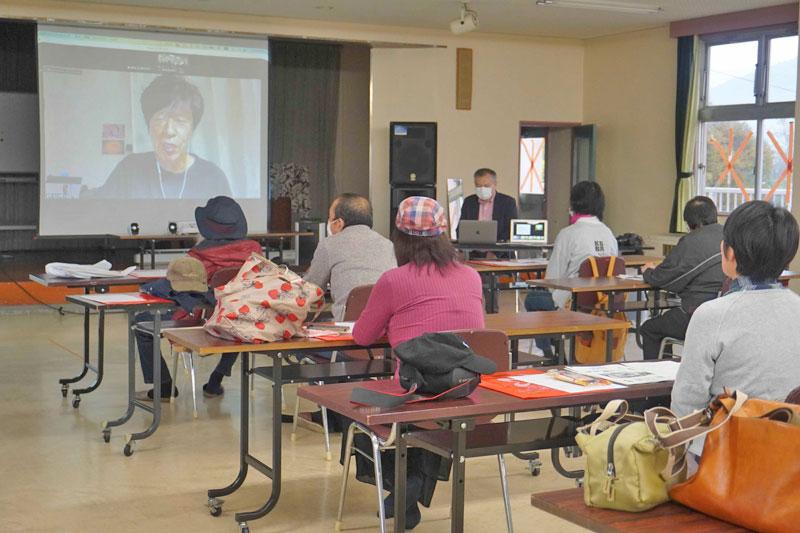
[(521, 17)]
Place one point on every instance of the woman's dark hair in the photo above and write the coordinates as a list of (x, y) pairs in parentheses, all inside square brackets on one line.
[(764, 239), (700, 211), (353, 209), (424, 251), (586, 198), (167, 91)]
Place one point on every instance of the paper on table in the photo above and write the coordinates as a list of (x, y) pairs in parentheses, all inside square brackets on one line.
[(621, 373), (668, 370), (632, 277), (551, 383), (101, 269), (157, 273), (117, 298), (514, 263)]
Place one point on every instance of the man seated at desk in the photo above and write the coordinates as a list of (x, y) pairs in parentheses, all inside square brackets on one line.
[(488, 204), (692, 270), (353, 254)]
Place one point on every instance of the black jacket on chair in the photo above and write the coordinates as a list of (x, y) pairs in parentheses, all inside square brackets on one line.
[(504, 209)]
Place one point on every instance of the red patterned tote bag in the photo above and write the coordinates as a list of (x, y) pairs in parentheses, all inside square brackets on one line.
[(264, 302)]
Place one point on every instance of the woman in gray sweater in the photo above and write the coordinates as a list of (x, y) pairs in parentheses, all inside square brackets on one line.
[(748, 339)]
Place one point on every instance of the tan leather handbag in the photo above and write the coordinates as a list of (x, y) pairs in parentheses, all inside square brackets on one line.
[(263, 303), (749, 473)]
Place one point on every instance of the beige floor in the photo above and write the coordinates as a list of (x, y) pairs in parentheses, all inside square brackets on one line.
[(57, 474)]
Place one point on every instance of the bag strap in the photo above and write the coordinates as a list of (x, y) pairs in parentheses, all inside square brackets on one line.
[(612, 262), (386, 399), (686, 429), (613, 412), (381, 399), (602, 297), (691, 426)]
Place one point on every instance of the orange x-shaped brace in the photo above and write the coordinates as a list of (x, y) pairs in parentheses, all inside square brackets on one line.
[(788, 159), (730, 159), (532, 171)]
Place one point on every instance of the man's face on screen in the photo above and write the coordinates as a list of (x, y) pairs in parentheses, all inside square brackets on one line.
[(170, 130)]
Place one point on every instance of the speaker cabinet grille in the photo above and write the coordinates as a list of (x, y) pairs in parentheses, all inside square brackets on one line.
[(412, 153)]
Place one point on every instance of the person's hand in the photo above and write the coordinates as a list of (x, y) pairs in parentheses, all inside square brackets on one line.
[(491, 255), (651, 264)]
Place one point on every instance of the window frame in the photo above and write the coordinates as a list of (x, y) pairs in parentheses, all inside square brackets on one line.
[(759, 111)]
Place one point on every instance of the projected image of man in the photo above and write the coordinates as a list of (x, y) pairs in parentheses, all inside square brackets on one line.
[(172, 109)]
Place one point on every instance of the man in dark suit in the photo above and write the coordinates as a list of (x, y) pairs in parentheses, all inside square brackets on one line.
[(488, 204)]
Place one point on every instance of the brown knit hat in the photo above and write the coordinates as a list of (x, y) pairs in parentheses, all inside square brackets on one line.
[(187, 274)]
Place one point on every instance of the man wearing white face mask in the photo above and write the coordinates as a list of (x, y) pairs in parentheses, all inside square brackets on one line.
[(488, 204), (352, 254)]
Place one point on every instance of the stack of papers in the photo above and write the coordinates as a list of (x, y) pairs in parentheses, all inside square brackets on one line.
[(632, 373), (119, 298), (632, 277), (101, 269), (514, 262), (157, 273), (330, 330), (549, 381)]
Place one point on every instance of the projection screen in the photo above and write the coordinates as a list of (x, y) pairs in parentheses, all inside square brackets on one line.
[(144, 127)]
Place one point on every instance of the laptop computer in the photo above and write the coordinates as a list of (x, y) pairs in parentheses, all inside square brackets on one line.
[(528, 231), (477, 232)]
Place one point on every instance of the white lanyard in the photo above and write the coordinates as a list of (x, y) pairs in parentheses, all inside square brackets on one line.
[(161, 181)]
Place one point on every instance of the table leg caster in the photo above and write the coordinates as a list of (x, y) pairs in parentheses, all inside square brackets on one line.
[(129, 447), (106, 435), (64, 390), (215, 506), (76, 401), (243, 527), (573, 452), (535, 467)]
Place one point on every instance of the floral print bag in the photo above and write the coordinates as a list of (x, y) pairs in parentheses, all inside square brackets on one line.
[(264, 302)]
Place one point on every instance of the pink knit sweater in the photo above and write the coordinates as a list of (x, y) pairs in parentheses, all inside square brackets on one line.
[(408, 301)]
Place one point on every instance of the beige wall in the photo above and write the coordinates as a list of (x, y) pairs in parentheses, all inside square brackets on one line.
[(351, 164), (510, 86), (629, 94)]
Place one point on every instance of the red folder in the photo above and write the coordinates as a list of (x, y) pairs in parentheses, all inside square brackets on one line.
[(502, 382)]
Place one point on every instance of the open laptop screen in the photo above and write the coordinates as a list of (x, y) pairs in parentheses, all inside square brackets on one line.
[(529, 231)]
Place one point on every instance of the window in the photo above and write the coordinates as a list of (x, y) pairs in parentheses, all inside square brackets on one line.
[(532, 151), (747, 118)]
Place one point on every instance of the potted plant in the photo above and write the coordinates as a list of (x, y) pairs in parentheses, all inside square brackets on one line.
[(289, 195)]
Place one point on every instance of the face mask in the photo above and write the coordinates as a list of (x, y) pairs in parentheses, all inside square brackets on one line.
[(484, 193)]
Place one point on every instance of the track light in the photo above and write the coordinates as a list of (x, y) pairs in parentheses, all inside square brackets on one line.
[(467, 22), (602, 6)]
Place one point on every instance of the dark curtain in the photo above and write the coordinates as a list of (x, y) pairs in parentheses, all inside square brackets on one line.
[(684, 95), (18, 57), (303, 108)]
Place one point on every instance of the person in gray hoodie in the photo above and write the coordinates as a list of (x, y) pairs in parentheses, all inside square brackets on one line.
[(692, 270)]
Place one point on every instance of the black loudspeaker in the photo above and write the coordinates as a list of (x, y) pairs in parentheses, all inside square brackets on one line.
[(412, 153), (172, 227), (134, 228)]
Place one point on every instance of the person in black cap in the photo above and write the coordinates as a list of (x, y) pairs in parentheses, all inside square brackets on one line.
[(223, 227)]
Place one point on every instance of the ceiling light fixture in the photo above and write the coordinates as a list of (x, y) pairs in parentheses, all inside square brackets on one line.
[(602, 6), (467, 22)]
